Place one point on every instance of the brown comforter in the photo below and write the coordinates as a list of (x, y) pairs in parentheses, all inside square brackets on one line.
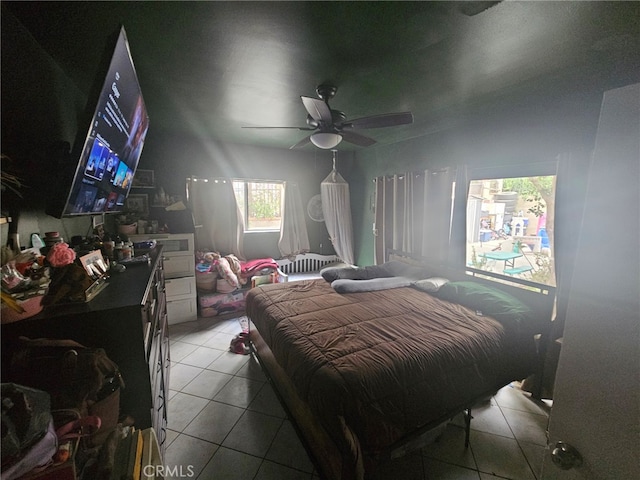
[(379, 365)]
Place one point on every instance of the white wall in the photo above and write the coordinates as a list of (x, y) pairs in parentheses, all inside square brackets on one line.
[(597, 390)]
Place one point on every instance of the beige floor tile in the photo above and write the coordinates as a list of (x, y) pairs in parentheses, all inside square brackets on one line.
[(253, 433), (274, 471), (499, 455), (450, 448), (227, 464), (527, 427), (287, 449), (187, 456), (239, 391), (207, 384), (183, 409), (201, 357), (214, 422)]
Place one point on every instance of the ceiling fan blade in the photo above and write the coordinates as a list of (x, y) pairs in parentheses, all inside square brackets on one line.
[(379, 121), (290, 128), (301, 143), (318, 109), (357, 138)]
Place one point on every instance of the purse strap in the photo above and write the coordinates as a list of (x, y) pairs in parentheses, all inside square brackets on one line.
[(86, 425)]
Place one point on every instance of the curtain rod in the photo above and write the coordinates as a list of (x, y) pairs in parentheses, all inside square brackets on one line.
[(401, 176), (224, 179)]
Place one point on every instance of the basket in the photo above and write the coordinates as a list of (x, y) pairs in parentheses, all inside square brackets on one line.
[(130, 229), (206, 281)]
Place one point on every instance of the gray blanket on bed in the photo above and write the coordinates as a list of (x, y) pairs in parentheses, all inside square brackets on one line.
[(389, 269)]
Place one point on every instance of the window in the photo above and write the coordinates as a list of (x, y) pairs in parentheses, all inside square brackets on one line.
[(510, 227), (260, 203)]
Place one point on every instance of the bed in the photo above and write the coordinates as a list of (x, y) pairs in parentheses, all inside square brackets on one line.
[(377, 367)]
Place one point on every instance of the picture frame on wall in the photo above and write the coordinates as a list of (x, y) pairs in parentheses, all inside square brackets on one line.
[(138, 203), (144, 179)]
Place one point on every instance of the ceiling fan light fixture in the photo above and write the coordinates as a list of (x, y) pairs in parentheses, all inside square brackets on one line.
[(326, 140)]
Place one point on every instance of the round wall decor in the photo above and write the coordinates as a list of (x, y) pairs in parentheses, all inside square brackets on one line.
[(314, 208)]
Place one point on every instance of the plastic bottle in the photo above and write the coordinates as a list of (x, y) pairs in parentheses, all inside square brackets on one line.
[(109, 247), (127, 251)]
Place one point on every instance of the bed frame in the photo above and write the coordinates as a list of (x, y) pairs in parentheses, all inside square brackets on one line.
[(305, 262), (332, 463)]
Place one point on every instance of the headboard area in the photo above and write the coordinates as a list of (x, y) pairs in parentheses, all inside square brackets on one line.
[(306, 262), (540, 298)]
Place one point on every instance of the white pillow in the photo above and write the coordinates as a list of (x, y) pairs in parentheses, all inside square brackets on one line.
[(431, 284), (345, 285)]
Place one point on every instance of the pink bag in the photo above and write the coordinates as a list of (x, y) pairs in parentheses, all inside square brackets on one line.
[(240, 344)]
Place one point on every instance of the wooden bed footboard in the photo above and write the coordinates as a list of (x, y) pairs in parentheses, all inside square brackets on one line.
[(330, 461), (327, 458)]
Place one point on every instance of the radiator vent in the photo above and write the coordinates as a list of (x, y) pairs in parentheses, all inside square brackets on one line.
[(308, 262)]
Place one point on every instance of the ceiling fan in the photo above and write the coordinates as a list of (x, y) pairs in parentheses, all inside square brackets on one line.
[(330, 127)]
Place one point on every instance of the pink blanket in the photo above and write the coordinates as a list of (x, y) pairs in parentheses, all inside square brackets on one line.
[(251, 267)]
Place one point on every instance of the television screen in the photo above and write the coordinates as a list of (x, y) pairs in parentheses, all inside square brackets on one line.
[(108, 152)]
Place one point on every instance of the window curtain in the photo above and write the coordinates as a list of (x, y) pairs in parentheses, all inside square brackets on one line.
[(408, 187), (438, 208), (379, 226), (294, 238), (398, 214), (217, 218), (457, 256), (413, 214), (336, 208)]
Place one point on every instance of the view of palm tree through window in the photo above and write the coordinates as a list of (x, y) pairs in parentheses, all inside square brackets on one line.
[(260, 203), (510, 227)]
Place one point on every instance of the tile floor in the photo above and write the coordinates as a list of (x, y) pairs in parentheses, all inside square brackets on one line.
[(226, 423)]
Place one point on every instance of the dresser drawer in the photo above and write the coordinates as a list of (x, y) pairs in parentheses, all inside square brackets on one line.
[(175, 287), (179, 266), (184, 310), (172, 243)]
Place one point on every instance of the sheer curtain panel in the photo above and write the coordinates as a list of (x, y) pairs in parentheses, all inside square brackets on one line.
[(294, 238), (438, 209)]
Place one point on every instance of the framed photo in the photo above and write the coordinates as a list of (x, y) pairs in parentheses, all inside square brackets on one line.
[(143, 179), (137, 203), (94, 264)]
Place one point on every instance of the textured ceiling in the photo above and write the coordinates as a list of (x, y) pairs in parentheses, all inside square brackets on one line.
[(210, 68)]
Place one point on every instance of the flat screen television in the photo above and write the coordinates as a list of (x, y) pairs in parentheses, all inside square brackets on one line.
[(97, 174)]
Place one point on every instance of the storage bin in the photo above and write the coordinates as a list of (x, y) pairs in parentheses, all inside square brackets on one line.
[(213, 304), (206, 281), (222, 286)]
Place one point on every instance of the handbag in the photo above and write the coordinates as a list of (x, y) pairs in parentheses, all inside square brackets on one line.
[(28, 436), (75, 376)]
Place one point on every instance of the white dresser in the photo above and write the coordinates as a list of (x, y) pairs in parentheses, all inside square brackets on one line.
[(179, 272)]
